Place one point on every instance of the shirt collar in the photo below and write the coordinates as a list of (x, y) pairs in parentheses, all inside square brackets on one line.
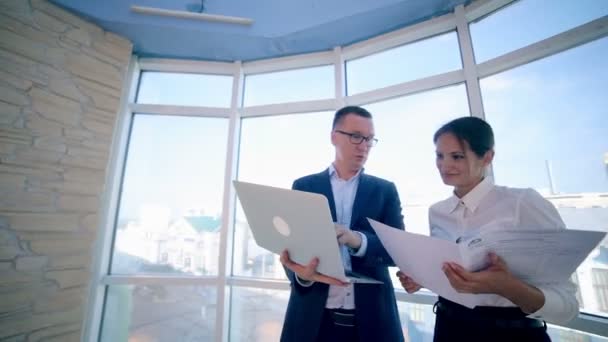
[(333, 172), (472, 200)]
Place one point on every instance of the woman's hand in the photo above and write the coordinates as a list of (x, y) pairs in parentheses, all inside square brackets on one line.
[(408, 283), (494, 279)]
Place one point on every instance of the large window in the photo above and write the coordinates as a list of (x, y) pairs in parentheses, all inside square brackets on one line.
[(550, 119)]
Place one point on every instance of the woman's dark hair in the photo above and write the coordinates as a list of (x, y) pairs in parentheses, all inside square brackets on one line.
[(341, 113), (475, 131)]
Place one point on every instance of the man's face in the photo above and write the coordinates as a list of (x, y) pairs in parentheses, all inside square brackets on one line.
[(352, 155)]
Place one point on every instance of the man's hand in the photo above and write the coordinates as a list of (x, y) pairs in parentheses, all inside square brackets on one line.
[(348, 237), (408, 283), (309, 272)]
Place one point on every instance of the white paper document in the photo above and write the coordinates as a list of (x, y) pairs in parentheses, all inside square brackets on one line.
[(533, 256)]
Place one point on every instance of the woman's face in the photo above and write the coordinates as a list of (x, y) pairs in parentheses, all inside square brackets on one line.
[(458, 165)]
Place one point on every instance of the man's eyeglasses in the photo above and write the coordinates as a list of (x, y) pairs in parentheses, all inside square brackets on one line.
[(356, 138)]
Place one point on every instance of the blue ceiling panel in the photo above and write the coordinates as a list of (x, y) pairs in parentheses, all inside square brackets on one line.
[(280, 28)]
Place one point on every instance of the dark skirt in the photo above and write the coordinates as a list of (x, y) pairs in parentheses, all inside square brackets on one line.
[(455, 322)]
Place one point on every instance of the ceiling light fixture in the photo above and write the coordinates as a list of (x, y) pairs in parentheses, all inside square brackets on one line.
[(191, 15)]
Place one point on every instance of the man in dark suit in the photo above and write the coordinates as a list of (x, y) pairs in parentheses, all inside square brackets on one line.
[(322, 308)]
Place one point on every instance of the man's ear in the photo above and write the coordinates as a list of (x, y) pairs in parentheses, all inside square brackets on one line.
[(333, 138), (488, 157)]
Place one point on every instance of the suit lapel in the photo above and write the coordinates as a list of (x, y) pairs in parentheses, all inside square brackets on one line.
[(326, 190), (363, 191)]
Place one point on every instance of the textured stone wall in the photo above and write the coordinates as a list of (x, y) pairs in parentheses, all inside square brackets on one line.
[(60, 87)]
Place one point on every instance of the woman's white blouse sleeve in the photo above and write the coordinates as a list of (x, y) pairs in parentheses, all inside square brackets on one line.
[(535, 212)]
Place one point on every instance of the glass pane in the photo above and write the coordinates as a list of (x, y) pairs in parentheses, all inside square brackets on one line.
[(294, 140), (405, 63), (289, 86), (257, 314), (550, 119), (417, 321), (405, 153), (171, 201), (185, 89), (528, 21), (159, 313)]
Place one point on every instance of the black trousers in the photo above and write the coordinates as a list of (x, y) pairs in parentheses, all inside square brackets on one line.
[(337, 329), (458, 323)]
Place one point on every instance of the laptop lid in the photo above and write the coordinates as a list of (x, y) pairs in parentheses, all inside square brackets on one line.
[(295, 220)]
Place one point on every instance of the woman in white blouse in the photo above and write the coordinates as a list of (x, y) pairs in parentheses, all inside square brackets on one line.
[(517, 310)]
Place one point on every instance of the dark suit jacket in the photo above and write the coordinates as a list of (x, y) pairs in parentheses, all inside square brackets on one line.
[(376, 308)]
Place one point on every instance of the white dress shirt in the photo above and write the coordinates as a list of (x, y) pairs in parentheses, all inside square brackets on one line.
[(488, 206), (344, 192)]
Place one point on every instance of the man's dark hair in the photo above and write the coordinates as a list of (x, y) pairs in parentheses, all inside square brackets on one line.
[(341, 113), (475, 131)]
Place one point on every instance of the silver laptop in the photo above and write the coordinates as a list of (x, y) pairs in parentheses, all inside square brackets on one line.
[(298, 221)]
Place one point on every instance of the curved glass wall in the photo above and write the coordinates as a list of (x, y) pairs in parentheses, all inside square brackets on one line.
[(182, 253)]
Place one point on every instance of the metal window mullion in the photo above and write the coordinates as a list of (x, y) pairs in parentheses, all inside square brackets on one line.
[(178, 110), (590, 324), (270, 284), (166, 280), (107, 215), (469, 66), (186, 66), (309, 60), (289, 108), (339, 77), (406, 88), (468, 63), (422, 297), (228, 206)]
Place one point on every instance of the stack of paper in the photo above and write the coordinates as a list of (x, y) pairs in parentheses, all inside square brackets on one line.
[(533, 256)]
